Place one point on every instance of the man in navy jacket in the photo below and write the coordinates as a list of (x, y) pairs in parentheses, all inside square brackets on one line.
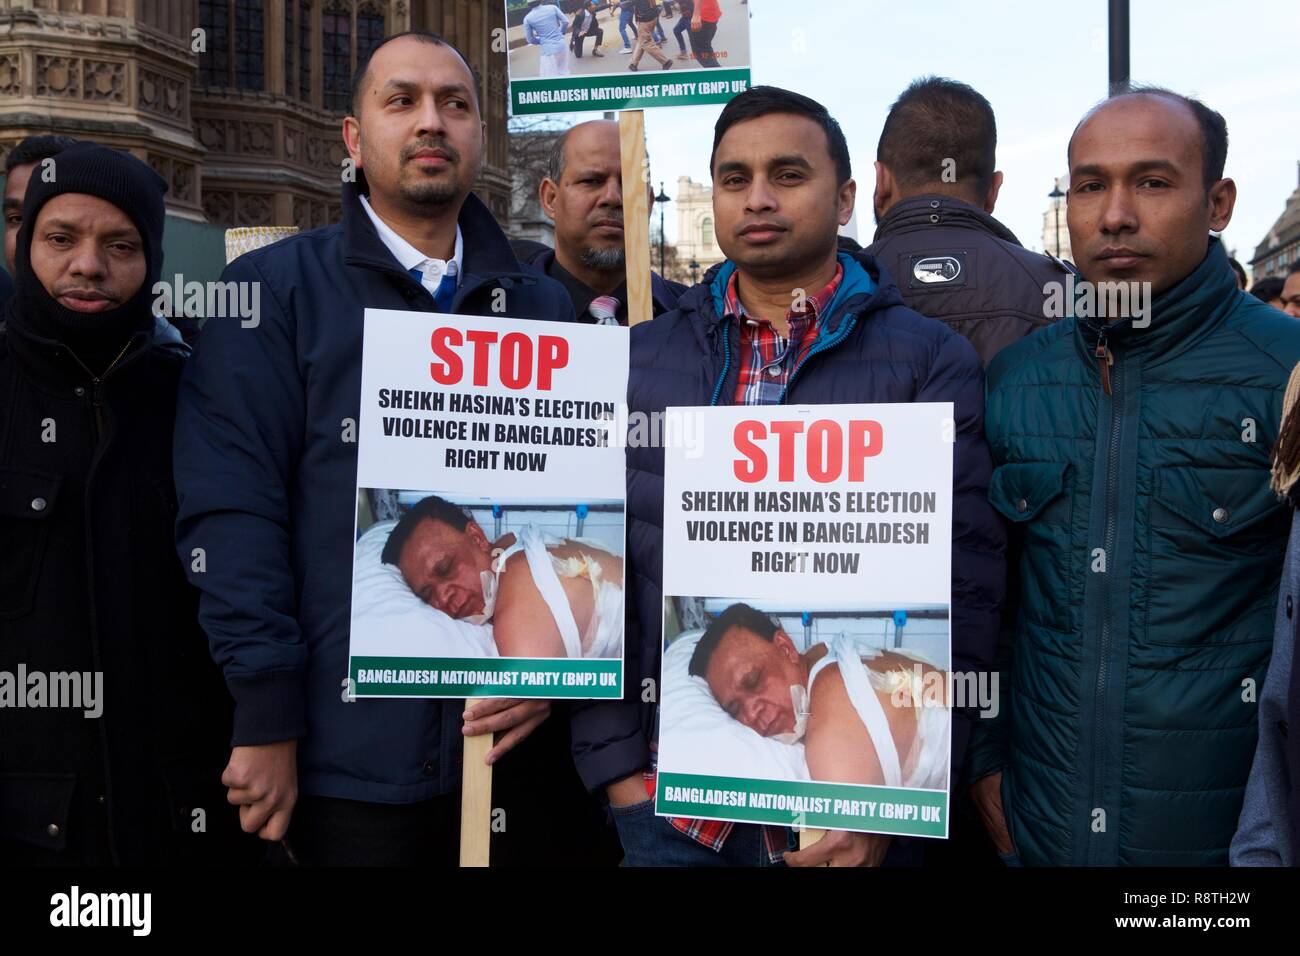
[(266, 473), (786, 319)]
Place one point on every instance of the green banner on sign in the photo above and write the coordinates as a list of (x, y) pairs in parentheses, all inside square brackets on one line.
[(832, 806), (595, 679), (602, 93)]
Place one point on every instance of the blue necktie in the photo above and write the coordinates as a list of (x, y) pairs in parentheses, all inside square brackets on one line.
[(444, 294)]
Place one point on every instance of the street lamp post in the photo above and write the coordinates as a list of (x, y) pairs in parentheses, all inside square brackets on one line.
[(1118, 29), (1056, 196), (695, 271), (661, 200)]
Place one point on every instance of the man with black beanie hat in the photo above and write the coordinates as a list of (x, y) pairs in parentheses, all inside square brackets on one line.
[(113, 716)]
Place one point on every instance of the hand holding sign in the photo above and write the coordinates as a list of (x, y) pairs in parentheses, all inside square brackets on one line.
[(516, 717), (842, 848)]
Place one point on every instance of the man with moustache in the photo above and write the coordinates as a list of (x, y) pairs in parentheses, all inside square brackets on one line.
[(786, 319), (266, 475), (582, 193), (27, 158), (1132, 463), (90, 585)]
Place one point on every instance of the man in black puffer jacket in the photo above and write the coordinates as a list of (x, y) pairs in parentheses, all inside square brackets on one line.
[(936, 185), (113, 718)]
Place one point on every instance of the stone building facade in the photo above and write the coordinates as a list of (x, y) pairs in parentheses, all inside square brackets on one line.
[(696, 239), (238, 104), (1281, 247)]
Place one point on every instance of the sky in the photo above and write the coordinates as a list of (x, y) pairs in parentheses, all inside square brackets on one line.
[(1041, 64)]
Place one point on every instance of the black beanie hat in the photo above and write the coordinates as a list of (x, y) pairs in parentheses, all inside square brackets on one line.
[(132, 187)]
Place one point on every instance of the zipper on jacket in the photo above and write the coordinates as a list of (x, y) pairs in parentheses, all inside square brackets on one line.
[(845, 329), (1105, 359), (726, 363), (97, 408), (1111, 382)]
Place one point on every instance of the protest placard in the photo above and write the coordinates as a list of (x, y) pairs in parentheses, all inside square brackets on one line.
[(488, 557), (570, 56), (807, 660)]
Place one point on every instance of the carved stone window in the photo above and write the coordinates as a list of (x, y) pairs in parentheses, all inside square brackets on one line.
[(290, 45), (336, 54), (370, 30), (236, 43), (304, 51)]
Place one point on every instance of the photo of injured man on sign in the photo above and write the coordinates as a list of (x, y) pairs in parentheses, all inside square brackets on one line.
[(488, 556), (807, 661)]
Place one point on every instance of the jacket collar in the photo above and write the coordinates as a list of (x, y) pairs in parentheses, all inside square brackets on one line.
[(863, 290), (861, 280), (488, 255), (665, 300), (934, 210), (53, 367), (1180, 316)]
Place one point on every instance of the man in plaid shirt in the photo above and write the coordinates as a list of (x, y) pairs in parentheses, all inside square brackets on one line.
[(787, 318)]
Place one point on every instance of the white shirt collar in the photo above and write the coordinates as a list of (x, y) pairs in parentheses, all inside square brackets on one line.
[(410, 257)]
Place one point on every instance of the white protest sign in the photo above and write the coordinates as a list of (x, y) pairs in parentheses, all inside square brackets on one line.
[(807, 654), (490, 519)]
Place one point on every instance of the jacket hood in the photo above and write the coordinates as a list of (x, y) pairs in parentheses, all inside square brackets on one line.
[(935, 209), (865, 288)]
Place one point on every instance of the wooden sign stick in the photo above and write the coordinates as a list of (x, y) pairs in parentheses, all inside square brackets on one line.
[(636, 215), (476, 778), (807, 837), (476, 802)]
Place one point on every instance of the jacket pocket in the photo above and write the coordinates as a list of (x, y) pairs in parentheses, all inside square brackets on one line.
[(1219, 502), (1216, 542), (1031, 490), (1034, 496), (27, 503), (34, 808)]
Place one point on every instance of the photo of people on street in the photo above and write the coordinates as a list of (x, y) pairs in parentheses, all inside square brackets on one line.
[(563, 38)]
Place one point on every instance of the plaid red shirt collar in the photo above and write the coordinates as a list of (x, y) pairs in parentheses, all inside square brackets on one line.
[(768, 359), (812, 305)]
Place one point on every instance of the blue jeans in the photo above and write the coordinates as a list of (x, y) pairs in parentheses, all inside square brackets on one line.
[(683, 26), (649, 840), (624, 23)]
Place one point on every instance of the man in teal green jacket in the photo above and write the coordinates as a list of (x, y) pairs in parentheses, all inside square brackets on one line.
[(1131, 457)]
